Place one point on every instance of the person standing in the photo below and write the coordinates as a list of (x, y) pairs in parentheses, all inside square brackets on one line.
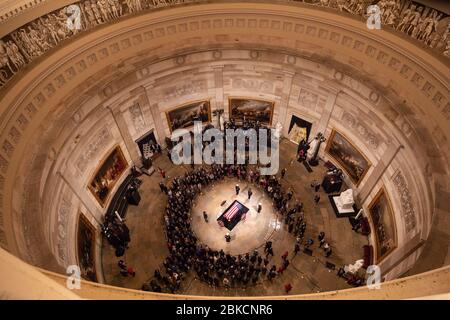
[(163, 187), (321, 235), (226, 283), (322, 243), (328, 252), (287, 288), (132, 272), (250, 193), (289, 195), (237, 188), (259, 207), (316, 199), (283, 173), (269, 252), (205, 216), (267, 246), (317, 187), (285, 255), (296, 249), (286, 264), (123, 268), (162, 173)]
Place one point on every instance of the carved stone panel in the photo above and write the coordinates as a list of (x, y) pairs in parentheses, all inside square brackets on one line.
[(366, 134), (98, 141), (137, 117), (408, 211), (63, 218), (308, 99)]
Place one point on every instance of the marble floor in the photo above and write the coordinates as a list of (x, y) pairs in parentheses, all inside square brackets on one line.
[(307, 274), (248, 234)]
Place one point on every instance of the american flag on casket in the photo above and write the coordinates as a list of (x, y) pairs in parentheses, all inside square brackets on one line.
[(232, 215)]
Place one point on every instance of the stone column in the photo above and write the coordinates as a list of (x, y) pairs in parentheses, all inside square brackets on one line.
[(326, 115), (125, 134), (285, 98), (155, 114), (378, 171), (145, 107), (325, 118), (75, 191), (218, 85)]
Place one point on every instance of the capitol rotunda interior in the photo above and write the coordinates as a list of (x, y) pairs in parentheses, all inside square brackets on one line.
[(98, 96)]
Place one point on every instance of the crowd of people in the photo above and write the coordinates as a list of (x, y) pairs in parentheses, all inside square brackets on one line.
[(217, 268)]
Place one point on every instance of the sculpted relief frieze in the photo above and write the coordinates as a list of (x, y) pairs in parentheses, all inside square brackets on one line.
[(423, 24), (408, 211)]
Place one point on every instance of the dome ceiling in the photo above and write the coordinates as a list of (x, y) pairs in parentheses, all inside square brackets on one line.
[(384, 73)]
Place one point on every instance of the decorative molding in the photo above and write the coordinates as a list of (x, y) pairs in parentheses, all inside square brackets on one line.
[(62, 225), (308, 99), (409, 214), (102, 138), (69, 70), (252, 84), (184, 89), (137, 117), (425, 25), (366, 134)]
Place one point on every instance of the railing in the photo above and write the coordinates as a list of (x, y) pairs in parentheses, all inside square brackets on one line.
[(428, 284), (428, 26)]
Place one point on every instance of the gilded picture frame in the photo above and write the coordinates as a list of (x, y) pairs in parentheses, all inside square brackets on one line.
[(182, 117), (105, 177), (348, 156), (257, 110), (86, 251), (382, 217)]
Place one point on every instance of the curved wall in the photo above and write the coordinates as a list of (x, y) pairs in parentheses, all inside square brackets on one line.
[(110, 86)]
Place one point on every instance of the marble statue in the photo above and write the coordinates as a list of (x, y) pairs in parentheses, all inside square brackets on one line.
[(313, 152), (345, 200), (221, 123), (354, 268), (278, 130)]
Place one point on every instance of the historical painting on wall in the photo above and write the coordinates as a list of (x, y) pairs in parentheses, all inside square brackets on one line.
[(382, 218), (348, 156), (297, 134), (107, 175), (299, 129), (242, 109), (86, 248), (184, 116)]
